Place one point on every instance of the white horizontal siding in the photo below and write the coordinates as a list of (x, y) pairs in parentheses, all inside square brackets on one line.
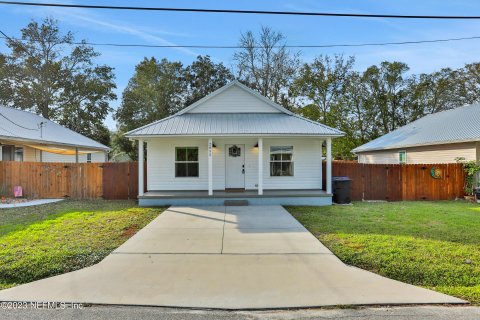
[(31, 154), (251, 160), (445, 153), (161, 164), (307, 162), (53, 157), (384, 157), (234, 100)]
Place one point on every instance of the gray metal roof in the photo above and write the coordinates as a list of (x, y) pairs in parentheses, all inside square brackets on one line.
[(19, 125), (225, 124), (451, 126), (205, 124)]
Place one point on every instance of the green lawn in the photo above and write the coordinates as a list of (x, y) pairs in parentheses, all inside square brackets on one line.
[(42, 241), (431, 244)]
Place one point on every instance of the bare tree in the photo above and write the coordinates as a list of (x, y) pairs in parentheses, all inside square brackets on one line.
[(266, 65)]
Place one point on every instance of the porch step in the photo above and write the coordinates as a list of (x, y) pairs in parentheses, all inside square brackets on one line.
[(232, 203)]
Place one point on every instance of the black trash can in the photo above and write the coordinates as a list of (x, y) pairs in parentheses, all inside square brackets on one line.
[(341, 187)]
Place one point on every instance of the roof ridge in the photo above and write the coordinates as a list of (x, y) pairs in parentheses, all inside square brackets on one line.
[(445, 111)]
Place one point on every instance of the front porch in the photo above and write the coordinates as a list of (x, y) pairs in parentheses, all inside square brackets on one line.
[(259, 171), (312, 197)]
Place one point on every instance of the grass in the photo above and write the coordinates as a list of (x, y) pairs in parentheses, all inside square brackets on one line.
[(431, 244), (43, 241)]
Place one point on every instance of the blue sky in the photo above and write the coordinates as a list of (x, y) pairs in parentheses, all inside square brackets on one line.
[(224, 29)]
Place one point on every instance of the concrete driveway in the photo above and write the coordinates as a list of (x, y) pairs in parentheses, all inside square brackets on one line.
[(228, 258)]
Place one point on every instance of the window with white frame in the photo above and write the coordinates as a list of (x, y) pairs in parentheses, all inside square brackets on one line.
[(186, 162), (18, 153), (89, 157), (281, 161)]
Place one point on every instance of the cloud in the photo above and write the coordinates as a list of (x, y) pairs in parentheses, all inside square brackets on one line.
[(91, 20), (135, 32)]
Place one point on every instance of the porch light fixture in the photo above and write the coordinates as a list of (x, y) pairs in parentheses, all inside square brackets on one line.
[(213, 145), (256, 145)]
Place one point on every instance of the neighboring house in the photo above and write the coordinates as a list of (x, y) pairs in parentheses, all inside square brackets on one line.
[(234, 144), (25, 136), (436, 138)]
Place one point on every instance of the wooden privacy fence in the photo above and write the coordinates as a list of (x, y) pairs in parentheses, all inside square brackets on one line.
[(395, 182), (120, 180), (70, 180), (52, 180)]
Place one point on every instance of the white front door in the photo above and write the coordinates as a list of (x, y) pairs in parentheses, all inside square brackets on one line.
[(234, 166)]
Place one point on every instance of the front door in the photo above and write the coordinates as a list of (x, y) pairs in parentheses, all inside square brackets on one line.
[(235, 166)]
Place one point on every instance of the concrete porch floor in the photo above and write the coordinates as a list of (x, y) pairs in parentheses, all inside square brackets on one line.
[(255, 257), (230, 194), (310, 197)]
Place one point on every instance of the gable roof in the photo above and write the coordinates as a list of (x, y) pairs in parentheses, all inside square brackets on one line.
[(19, 125), (189, 122), (238, 84), (451, 126)]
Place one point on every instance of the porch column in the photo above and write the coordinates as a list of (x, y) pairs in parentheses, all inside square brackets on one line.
[(329, 165), (76, 155), (210, 167), (140, 167), (260, 166)]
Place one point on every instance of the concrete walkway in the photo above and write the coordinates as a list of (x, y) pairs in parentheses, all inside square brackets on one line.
[(228, 258), (29, 203)]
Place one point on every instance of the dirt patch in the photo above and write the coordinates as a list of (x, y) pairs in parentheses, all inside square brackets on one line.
[(129, 231)]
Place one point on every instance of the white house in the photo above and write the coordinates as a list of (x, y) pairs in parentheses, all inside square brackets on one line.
[(436, 138), (25, 136), (234, 145)]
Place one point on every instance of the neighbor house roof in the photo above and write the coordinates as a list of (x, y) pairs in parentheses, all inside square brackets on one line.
[(188, 122), (19, 125), (451, 126)]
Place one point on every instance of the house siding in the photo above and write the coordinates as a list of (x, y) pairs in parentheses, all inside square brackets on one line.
[(53, 157), (161, 164), (478, 151), (234, 100), (33, 155), (445, 153)]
